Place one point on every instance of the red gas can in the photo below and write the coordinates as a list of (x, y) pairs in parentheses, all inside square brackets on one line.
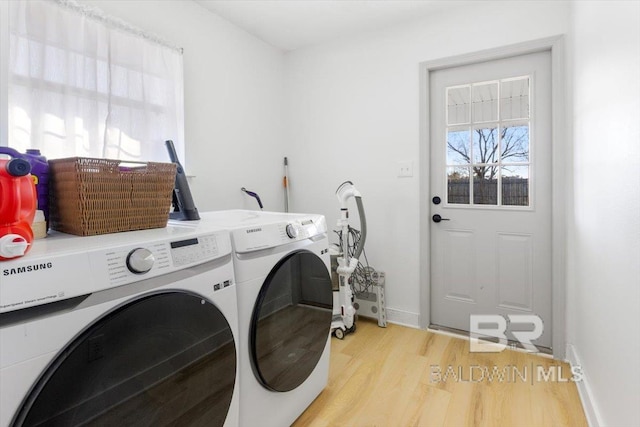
[(17, 208)]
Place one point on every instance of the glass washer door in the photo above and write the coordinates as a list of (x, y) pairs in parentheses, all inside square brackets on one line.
[(291, 321), (165, 359)]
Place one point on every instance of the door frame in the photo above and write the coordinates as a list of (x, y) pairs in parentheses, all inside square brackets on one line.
[(559, 157)]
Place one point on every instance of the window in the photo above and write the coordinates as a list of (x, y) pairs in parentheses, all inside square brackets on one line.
[(488, 143), (83, 84)]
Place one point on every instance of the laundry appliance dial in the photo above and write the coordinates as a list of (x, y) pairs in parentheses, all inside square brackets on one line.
[(292, 231), (140, 260)]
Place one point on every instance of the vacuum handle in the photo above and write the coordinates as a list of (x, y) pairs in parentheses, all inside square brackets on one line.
[(182, 192), (173, 155)]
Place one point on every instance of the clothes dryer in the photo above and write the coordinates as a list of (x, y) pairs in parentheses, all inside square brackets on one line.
[(135, 328), (285, 301)]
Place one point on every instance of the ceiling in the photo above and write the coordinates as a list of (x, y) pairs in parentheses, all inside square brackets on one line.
[(292, 24)]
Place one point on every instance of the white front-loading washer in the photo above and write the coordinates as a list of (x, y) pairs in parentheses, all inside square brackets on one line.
[(285, 302), (135, 328)]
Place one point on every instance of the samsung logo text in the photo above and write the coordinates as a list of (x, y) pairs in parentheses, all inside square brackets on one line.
[(26, 269)]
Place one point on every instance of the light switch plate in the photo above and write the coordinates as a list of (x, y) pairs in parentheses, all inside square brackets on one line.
[(405, 169)]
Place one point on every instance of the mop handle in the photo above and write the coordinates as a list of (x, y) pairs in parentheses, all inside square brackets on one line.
[(285, 181)]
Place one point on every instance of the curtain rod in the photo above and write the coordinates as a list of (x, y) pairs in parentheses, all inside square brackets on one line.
[(111, 21)]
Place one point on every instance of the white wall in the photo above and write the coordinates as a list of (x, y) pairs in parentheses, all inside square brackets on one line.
[(604, 240), (352, 109), (233, 102)]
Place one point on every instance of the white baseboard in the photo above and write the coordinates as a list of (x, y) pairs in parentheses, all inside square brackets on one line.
[(404, 318), (584, 390)]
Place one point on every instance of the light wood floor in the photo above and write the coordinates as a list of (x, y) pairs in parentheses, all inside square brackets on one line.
[(389, 377)]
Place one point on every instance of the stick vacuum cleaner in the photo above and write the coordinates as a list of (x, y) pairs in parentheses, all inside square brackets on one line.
[(183, 207), (345, 321)]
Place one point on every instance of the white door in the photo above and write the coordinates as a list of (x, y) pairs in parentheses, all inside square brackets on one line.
[(491, 187)]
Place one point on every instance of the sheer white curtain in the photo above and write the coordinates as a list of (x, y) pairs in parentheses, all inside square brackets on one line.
[(84, 84)]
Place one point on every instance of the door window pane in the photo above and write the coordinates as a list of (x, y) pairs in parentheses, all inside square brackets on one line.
[(485, 185), (515, 143), (485, 145), (458, 185), (515, 185), (485, 102), (458, 103), (458, 146), (495, 144), (514, 99)]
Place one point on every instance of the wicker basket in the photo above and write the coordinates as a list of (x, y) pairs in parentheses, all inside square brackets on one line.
[(99, 196)]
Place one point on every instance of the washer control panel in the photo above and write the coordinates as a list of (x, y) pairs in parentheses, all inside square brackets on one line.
[(68, 266), (130, 264), (265, 236), (194, 250)]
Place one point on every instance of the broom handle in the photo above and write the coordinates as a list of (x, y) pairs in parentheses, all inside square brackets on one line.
[(286, 185)]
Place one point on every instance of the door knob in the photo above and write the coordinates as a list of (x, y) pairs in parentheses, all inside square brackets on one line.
[(438, 218)]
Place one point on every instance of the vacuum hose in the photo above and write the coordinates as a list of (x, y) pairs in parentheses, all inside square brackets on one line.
[(363, 228), (345, 191)]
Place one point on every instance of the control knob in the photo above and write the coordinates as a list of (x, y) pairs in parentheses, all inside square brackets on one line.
[(292, 231), (140, 260)]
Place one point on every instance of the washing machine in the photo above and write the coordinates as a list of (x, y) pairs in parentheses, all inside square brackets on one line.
[(285, 302), (135, 328)]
